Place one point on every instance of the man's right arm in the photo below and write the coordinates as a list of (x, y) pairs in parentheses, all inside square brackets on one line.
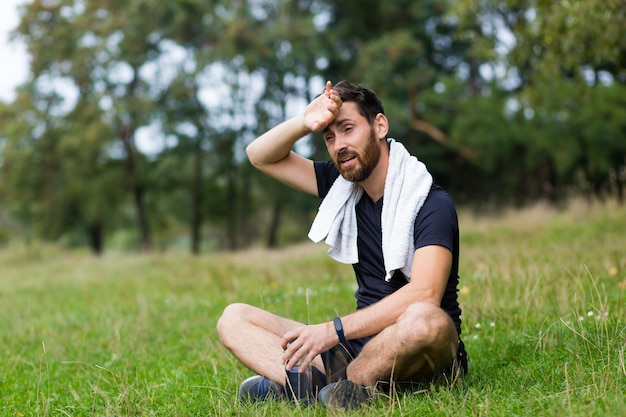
[(272, 152)]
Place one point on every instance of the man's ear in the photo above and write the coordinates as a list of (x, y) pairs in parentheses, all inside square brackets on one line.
[(381, 126)]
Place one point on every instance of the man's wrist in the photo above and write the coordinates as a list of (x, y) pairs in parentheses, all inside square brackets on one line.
[(339, 330), (305, 130)]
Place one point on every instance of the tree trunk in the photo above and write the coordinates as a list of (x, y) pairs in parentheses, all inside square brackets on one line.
[(231, 217), (95, 234), (246, 212), (272, 238), (196, 201), (137, 189)]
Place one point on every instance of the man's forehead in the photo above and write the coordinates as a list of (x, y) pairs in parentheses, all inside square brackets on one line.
[(348, 113)]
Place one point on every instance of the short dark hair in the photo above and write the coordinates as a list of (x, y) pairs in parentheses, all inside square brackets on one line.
[(367, 101)]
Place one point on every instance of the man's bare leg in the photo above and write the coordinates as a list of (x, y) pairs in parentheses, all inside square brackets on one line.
[(422, 342), (253, 335)]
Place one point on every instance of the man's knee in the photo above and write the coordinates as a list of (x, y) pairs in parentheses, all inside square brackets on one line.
[(426, 324), (230, 320), (427, 331)]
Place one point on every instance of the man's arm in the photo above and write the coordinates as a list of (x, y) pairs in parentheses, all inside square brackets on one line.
[(429, 275), (272, 152)]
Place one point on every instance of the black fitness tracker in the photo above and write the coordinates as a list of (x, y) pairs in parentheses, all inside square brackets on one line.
[(339, 330)]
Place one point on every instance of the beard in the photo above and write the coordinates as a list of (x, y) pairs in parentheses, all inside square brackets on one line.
[(366, 162)]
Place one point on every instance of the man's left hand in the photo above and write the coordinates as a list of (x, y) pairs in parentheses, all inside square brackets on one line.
[(304, 343)]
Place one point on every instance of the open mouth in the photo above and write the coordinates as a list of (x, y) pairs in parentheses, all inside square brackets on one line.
[(348, 159)]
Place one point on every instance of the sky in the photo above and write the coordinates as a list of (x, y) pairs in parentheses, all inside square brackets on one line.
[(13, 57)]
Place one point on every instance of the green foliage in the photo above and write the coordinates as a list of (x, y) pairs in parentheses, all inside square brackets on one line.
[(542, 294), (507, 102)]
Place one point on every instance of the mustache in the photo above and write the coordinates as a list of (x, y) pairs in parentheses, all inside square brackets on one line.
[(342, 153)]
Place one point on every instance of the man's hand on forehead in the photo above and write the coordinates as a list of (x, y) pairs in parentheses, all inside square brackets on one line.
[(332, 94), (323, 110)]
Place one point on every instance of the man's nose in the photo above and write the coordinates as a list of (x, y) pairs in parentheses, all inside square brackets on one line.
[(338, 143)]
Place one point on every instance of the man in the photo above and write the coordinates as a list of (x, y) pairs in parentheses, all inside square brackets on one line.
[(382, 213)]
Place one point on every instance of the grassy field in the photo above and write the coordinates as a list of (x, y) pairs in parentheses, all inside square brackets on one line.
[(543, 296)]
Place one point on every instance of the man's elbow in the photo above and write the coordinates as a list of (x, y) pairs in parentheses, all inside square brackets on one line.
[(252, 155)]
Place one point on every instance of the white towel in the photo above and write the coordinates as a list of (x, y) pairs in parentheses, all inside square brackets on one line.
[(407, 185)]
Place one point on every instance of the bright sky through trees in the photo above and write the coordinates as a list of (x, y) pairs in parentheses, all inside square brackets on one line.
[(12, 55)]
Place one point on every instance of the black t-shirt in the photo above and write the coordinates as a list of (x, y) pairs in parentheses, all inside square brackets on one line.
[(435, 224)]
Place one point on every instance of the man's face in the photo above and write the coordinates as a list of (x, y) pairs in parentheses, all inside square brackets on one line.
[(352, 144)]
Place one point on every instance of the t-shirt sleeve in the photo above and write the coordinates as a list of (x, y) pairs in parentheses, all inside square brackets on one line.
[(436, 222), (326, 173)]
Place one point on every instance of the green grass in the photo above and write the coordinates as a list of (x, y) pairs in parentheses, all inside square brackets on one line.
[(543, 296)]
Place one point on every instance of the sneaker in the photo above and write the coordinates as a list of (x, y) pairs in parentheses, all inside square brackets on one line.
[(343, 394), (259, 388)]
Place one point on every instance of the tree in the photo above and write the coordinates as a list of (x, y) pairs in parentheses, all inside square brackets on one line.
[(550, 59), (276, 43), (185, 168), (505, 101), (108, 55), (57, 176)]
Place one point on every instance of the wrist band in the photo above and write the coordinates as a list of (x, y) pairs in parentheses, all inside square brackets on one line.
[(339, 330)]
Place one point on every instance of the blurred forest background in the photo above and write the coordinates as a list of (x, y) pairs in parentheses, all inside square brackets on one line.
[(130, 131)]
